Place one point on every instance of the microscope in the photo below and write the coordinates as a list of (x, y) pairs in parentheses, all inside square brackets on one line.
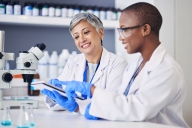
[(26, 64)]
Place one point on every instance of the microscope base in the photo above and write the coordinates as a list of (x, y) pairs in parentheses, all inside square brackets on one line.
[(16, 103)]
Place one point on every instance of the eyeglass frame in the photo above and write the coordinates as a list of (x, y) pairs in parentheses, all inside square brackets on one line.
[(133, 27)]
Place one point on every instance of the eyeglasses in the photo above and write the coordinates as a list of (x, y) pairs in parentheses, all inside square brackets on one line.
[(126, 32)]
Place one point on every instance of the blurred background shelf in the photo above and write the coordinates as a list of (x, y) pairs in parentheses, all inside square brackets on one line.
[(46, 21)]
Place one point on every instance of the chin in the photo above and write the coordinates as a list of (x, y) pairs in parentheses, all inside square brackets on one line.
[(86, 51), (129, 52)]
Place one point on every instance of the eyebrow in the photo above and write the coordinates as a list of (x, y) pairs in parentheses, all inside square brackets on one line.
[(81, 30), (122, 26)]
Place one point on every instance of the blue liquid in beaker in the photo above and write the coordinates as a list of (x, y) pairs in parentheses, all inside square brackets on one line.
[(23, 127), (6, 123), (32, 124)]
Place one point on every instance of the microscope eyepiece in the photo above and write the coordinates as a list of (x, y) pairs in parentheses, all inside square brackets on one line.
[(23, 52), (41, 46), (36, 45)]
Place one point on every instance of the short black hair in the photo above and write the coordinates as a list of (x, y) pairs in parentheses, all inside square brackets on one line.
[(146, 14)]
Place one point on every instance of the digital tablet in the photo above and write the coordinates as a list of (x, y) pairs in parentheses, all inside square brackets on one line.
[(40, 85)]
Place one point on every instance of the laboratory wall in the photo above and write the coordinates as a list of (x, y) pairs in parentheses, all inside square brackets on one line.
[(22, 37), (183, 49)]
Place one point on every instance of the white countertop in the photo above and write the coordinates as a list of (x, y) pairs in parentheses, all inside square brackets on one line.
[(46, 118)]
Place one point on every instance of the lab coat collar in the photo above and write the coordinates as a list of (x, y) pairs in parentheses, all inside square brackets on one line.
[(104, 61), (156, 58), (80, 66)]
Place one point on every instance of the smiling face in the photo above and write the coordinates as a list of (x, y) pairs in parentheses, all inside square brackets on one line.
[(86, 38), (133, 43)]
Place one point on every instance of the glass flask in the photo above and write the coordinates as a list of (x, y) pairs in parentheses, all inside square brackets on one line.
[(31, 116), (23, 119), (6, 120)]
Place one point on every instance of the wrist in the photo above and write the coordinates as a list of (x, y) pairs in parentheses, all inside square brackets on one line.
[(92, 89), (74, 107), (77, 109)]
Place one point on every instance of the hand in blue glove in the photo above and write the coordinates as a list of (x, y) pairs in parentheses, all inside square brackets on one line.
[(55, 82), (67, 103), (88, 116), (73, 86)]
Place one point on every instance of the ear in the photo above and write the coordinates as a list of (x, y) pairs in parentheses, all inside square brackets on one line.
[(101, 33), (146, 29)]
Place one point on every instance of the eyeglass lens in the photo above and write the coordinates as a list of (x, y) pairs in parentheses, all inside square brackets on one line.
[(125, 33)]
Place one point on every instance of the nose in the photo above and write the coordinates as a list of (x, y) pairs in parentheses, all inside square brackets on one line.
[(82, 39), (120, 38)]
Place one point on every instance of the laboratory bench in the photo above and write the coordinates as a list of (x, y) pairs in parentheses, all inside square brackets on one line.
[(45, 118)]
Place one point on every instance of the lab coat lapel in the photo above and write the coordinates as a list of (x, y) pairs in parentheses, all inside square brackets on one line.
[(138, 80), (79, 69), (154, 61), (129, 71), (105, 57)]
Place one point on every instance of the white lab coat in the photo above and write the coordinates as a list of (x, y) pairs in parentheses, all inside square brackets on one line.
[(108, 76), (156, 95)]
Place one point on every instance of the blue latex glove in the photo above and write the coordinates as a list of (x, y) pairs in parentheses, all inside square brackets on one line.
[(55, 82), (73, 86), (67, 103), (88, 116), (84, 96)]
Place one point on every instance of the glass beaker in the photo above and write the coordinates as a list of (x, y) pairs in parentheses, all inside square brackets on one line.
[(23, 120), (6, 120), (31, 115)]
